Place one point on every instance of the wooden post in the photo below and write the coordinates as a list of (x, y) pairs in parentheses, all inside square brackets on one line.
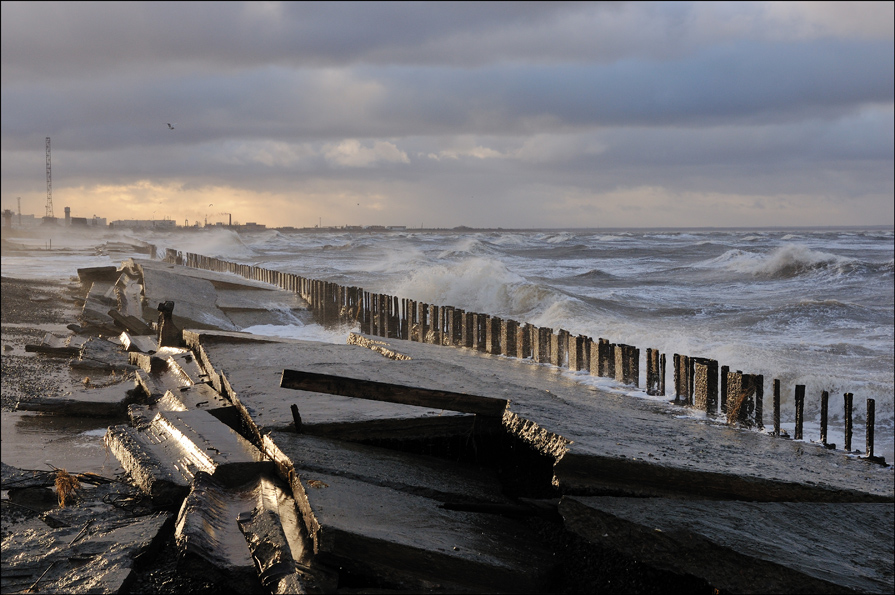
[(758, 380), (847, 402), (423, 316), (662, 375), (523, 341), (776, 406), (459, 315), (800, 410), (871, 419), (468, 329), (544, 345), (296, 417), (508, 334), (677, 379), (824, 404), (620, 363), (725, 370)]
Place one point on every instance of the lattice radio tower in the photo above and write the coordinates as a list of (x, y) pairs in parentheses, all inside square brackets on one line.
[(49, 182)]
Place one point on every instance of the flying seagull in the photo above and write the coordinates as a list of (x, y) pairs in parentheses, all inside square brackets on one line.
[(170, 126)]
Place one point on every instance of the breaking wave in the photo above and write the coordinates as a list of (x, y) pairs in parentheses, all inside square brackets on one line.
[(784, 262)]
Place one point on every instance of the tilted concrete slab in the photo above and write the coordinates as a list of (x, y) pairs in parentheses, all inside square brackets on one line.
[(99, 561), (210, 542), (431, 477), (748, 547), (245, 536), (248, 371), (197, 396), (164, 457), (412, 542), (210, 300), (194, 298), (614, 444), (105, 401)]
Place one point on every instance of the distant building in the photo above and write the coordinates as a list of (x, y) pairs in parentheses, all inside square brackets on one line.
[(251, 226), (166, 224)]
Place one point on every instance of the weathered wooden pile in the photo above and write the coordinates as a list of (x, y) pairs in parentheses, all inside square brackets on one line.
[(698, 382)]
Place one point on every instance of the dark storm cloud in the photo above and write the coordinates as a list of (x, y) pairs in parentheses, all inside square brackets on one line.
[(516, 103)]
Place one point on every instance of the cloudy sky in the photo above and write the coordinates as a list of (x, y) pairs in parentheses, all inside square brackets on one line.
[(485, 115)]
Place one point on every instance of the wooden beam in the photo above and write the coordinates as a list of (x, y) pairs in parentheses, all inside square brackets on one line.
[(392, 393)]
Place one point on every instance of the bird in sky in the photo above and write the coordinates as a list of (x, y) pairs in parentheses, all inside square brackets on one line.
[(170, 126)]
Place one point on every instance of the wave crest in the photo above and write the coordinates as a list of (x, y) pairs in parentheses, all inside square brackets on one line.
[(787, 261)]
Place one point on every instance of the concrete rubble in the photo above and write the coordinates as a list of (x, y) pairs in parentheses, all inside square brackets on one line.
[(295, 466)]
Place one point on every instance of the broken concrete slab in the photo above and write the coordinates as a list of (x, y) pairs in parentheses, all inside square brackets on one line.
[(88, 275), (72, 560), (614, 444), (280, 547), (129, 291), (409, 542), (194, 298), (197, 396), (248, 372), (344, 386), (102, 401), (210, 542), (99, 353), (164, 457), (431, 477), (56, 344), (131, 324), (748, 547), (141, 343)]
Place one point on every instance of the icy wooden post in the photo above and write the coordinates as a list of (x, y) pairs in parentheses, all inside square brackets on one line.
[(871, 418), (847, 398), (634, 369), (776, 406), (800, 410), (824, 404)]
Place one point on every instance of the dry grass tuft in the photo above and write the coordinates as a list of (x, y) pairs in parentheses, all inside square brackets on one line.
[(66, 484), (733, 413)]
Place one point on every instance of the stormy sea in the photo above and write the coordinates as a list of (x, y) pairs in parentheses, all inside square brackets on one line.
[(809, 307)]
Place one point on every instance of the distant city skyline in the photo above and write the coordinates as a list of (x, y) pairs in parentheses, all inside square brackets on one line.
[(486, 115)]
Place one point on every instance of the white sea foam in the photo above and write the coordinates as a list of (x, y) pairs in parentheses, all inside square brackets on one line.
[(309, 332)]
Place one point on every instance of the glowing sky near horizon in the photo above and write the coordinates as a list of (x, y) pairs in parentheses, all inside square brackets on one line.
[(478, 114)]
